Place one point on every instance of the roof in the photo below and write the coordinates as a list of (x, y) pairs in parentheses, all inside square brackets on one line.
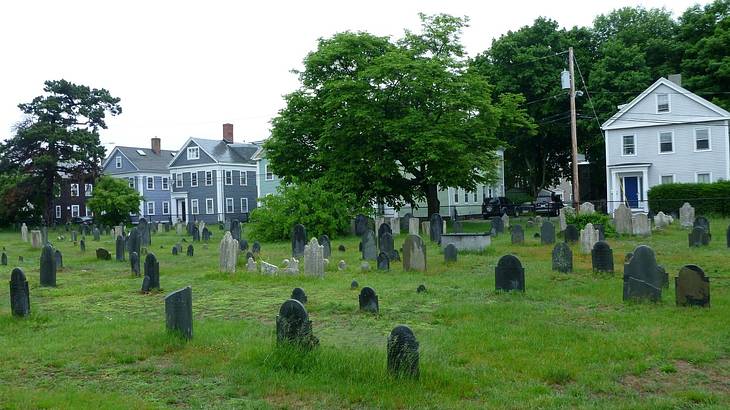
[(223, 152), (147, 162)]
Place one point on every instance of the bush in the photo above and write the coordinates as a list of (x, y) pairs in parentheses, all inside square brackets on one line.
[(711, 198), (581, 220), (113, 200), (320, 211)]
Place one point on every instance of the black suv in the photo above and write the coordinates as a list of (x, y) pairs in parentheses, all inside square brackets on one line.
[(548, 205), (497, 207)]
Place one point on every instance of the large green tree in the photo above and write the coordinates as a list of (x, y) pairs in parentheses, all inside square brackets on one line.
[(113, 201), (391, 121), (60, 136)]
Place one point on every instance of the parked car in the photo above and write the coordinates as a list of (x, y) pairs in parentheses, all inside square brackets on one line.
[(82, 220), (497, 207), (549, 205)]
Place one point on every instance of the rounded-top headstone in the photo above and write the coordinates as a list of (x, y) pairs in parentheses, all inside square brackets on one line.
[(19, 293), (368, 300), (509, 274), (293, 325), (403, 353), (354, 284), (450, 253), (298, 294), (421, 289)]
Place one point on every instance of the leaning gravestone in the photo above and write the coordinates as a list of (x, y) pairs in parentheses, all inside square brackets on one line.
[(383, 262), (640, 225), (298, 240), (134, 263), (518, 235), (587, 208), (436, 228), (450, 253), (698, 237), (369, 248), (293, 325), (702, 222), (120, 248), (692, 287), (622, 220), (602, 257), (24, 233), (509, 274), (368, 300), (298, 294), (103, 254), (151, 272), (547, 233), (562, 258), (179, 312), (571, 233), (48, 266), (314, 259), (324, 240), (414, 254), (643, 278), (588, 238), (134, 243), (497, 224), (361, 224), (268, 268), (686, 215), (413, 224), (228, 250), (36, 239), (403, 352), (58, 259), (191, 250), (19, 293)]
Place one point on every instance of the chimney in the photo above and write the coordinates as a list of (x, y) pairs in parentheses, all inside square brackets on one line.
[(228, 133), (156, 145), (675, 78)]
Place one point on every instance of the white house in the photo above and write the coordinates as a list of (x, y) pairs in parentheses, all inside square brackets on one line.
[(667, 134)]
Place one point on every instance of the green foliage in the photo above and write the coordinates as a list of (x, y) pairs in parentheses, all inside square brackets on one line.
[(17, 196), (113, 200), (319, 209), (711, 198), (596, 218), (519, 197)]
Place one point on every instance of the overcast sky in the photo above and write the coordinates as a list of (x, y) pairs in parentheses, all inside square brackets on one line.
[(184, 68)]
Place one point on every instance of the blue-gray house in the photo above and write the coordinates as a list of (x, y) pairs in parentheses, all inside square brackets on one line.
[(213, 180), (145, 169)]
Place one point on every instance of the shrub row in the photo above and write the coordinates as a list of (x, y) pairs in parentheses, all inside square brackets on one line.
[(711, 198)]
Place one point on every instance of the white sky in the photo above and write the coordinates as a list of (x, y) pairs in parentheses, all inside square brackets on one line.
[(183, 68)]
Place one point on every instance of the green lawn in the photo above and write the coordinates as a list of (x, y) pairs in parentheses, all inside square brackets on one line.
[(568, 341)]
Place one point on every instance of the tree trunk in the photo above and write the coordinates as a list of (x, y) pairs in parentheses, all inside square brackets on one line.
[(48, 196), (432, 199)]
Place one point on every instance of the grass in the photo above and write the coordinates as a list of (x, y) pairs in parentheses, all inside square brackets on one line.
[(568, 341)]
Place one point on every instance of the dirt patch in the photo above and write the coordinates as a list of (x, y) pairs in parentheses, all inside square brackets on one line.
[(682, 375)]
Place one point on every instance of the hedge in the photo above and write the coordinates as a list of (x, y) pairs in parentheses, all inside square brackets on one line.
[(711, 198)]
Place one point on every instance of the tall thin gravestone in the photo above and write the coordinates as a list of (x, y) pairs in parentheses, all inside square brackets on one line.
[(151, 273), (48, 266), (298, 240), (144, 232), (324, 240), (24, 233), (19, 293), (134, 263), (414, 254), (179, 312), (369, 248), (120, 248), (313, 258), (436, 228), (387, 246), (686, 215), (58, 258), (228, 253), (413, 224), (134, 243)]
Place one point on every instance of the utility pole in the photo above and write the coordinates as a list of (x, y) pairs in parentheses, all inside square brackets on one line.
[(573, 132)]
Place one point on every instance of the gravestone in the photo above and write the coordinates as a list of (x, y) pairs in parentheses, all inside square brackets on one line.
[(403, 353), (96, 234), (369, 248), (497, 224), (314, 259), (151, 273), (628, 257), (413, 226), (547, 233), (251, 265), (692, 287), (58, 259), (20, 259), (382, 230), (450, 253), (228, 253), (571, 233), (268, 268), (341, 265), (298, 240), (144, 232), (509, 274), (661, 220), (640, 225), (256, 248), (702, 222), (405, 222), (361, 224), (191, 250), (134, 242), (354, 285), (249, 255), (179, 228), (74, 236), (226, 225), (298, 294), (395, 225), (118, 231), (4, 259), (698, 237), (602, 257), (24, 233), (563, 216), (436, 228), (518, 235), (201, 226), (324, 240), (189, 227), (179, 312), (36, 239), (588, 238), (587, 208), (293, 325), (103, 254), (44, 235), (505, 221), (686, 215), (622, 219), (387, 246), (82, 245), (414, 254), (196, 234), (243, 245), (600, 229), (134, 263), (421, 289), (562, 258), (48, 266), (368, 300), (175, 250), (19, 293), (205, 234), (426, 228), (383, 261), (538, 221), (643, 278), (166, 227), (120, 245), (236, 229), (457, 227)]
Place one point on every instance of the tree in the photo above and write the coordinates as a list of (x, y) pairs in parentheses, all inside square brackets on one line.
[(60, 136), (113, 200), (17, 196), (389, 121)]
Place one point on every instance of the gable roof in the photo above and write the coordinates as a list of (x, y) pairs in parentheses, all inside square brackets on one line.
[(722, 114), (148, 162), (221, 151)]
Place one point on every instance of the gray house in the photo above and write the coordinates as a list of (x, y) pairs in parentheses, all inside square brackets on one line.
[(667, 134), (213, 180), (145, 170)]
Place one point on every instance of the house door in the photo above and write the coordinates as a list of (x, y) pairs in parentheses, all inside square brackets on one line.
[(631, 191), (181, 210)]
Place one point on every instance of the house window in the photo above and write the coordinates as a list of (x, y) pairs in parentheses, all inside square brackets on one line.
[(118, 161), (150, 208), (702, 139), (704, 178), (88, 189), (193, 153), (475, 197), (269, 174), (194, 207), (165, 183), (150, 183), (165, 208), (209, 206), (179, 180), (131, 182), (244, 205), (456, 196), (74, 189), (229, 177), (208, 178), (74, 211), (194, 179), (243, 178), (667, 179), (662, 103), (466, 197), (58, 211), (666, 142), (88, 211), (629, 145), (229, 205)]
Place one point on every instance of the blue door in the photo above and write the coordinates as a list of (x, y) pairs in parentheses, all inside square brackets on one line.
[(631, 191)]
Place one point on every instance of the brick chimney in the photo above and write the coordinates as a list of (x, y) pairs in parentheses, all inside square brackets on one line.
[(156, 145), (228, 133)]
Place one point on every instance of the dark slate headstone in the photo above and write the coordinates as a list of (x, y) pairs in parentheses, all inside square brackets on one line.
[(189, 227), (450, 253), (547, 233), (298, 294), (324, 240), (196, 234), (702, 222), (250, 255), (82, 245), (103, 254), (175, 250), (354, 284), (120, 245), (134, 243), (369, 248), (692, 287), (58, 258), (236, 229), (601, 231), (628, 257), (383, 261), (497, 224), (698, 237), (509, 274), (404, 221), (179, 312), (134, 263), (368, 300), (518, 235), (19, 293), (74, 236), (571, 233), (436, 228), (386, 245), (4, 259), (191, 250), (144, 232), (298, 240), (643, 278), (293, 325), (421, 289), (361, 224), (243, 245), (562, 258), (602, 257), (96, 234), (403, 352), (48, 266), (341, 248), (256, 248), (383, 229), (151, 271)]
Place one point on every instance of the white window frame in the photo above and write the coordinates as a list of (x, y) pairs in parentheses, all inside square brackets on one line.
[(669, 103), (229, 201), (194, 207), (208, 179), (178, 180), (659, 139), (623, 145), (193, 153), (268, 174), (228, 175), (709, 139), (661, 178), (165, 207), (130, 182), (118, 161), (194, 182), (58, 211), (88, 189), (165, 184), (74, 192), (244, 209), (243, 178), (88, 211), (147, 208), (475, 197), (209, 206), (456, 195), (147, 183), (697, 177), (75, 212)]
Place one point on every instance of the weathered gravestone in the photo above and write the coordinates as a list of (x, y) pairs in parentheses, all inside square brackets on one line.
[(48, 266), (563, 216), (643, 278), (24, 233), (436, 228), (298, 240), (341, 265), (226, 225), (268, 268), (517, 235), (562, 258), (196, 234), (547, 233), (96, 234), (191, 250), (587, 208), (120, 245), (692, 287), (601, 233), (58, 259), (368, 300), (413, 224), (228, 250), (369, 247), (134, 263), (74, 236), (293, 325), (387, 246), (640, 225), (179, 228), (383, 229), (256, 248), (175, 250), (243, 245), (44, 235), (457, 227), (395, 225), (509, 274), (361, 224), (571, 233), (324, 240), (702, 222), (497, 224), (151, 273), (4, 259), (405, 222), (403, 353), (450, 253), (414, 254), (602, 257), (236, 229), (686, 215), (314, 259), (622, 219), (588, 238), (82, 245), (298, 294), (179, 312), (19, 293), (103, 254), (134, 242), (354, 285), (251, 265), (383, 261), (36, 239), (662, 220), (698, 237), (144, 232)]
